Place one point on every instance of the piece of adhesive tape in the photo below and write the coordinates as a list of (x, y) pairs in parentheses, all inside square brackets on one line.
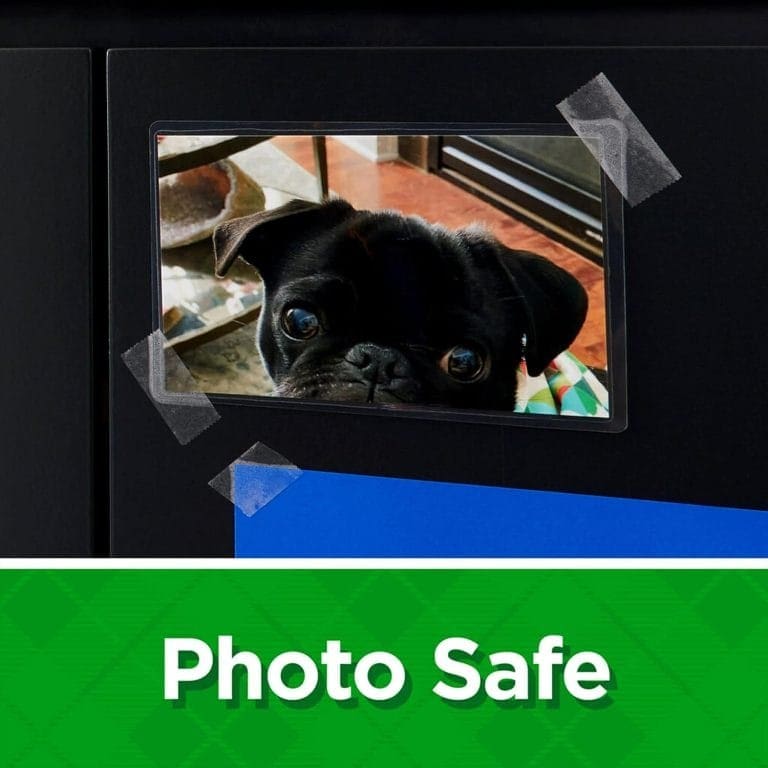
[(618, 140), (255, 478), (153, 362)]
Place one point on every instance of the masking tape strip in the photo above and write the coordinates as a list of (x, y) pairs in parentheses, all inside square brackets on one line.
[(152, 362), (618, 140), (255, 478)]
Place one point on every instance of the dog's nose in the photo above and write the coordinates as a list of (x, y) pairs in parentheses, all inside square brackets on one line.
[(377, 364)]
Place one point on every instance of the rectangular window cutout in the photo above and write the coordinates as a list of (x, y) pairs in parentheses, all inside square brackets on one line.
[(465, 272)]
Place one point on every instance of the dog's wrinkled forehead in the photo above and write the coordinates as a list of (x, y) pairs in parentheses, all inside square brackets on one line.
[(413, 273), (402, 257)]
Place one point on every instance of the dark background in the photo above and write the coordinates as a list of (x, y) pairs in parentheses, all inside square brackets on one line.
[(46, 479), (696, 272), (544, 22)]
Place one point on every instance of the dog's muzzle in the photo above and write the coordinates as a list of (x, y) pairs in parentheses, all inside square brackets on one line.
[(378, 365)]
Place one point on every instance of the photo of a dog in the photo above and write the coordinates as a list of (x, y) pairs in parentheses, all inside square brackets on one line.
[(352, 270), (376, 307)]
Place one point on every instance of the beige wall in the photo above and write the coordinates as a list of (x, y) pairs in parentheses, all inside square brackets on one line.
[(380, 149)]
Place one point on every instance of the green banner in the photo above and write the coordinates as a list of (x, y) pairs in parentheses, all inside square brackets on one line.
[(88, 660)]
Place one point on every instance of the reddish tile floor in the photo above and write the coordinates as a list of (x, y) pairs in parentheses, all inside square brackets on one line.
[(398, 185)]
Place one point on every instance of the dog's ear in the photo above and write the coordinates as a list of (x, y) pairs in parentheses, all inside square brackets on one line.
[(555, 301), (262, 236)]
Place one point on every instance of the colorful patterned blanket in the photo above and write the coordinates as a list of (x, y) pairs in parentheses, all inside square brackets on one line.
[(565, 388)]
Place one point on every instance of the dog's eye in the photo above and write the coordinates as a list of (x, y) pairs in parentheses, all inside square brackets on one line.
[(464, 363), (300, 323)]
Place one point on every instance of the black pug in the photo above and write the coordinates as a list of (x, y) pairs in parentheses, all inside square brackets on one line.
[(377, 307)]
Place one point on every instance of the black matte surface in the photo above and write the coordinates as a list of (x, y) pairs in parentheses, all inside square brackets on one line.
[(45, 372), (540, 22), (696, 280)]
